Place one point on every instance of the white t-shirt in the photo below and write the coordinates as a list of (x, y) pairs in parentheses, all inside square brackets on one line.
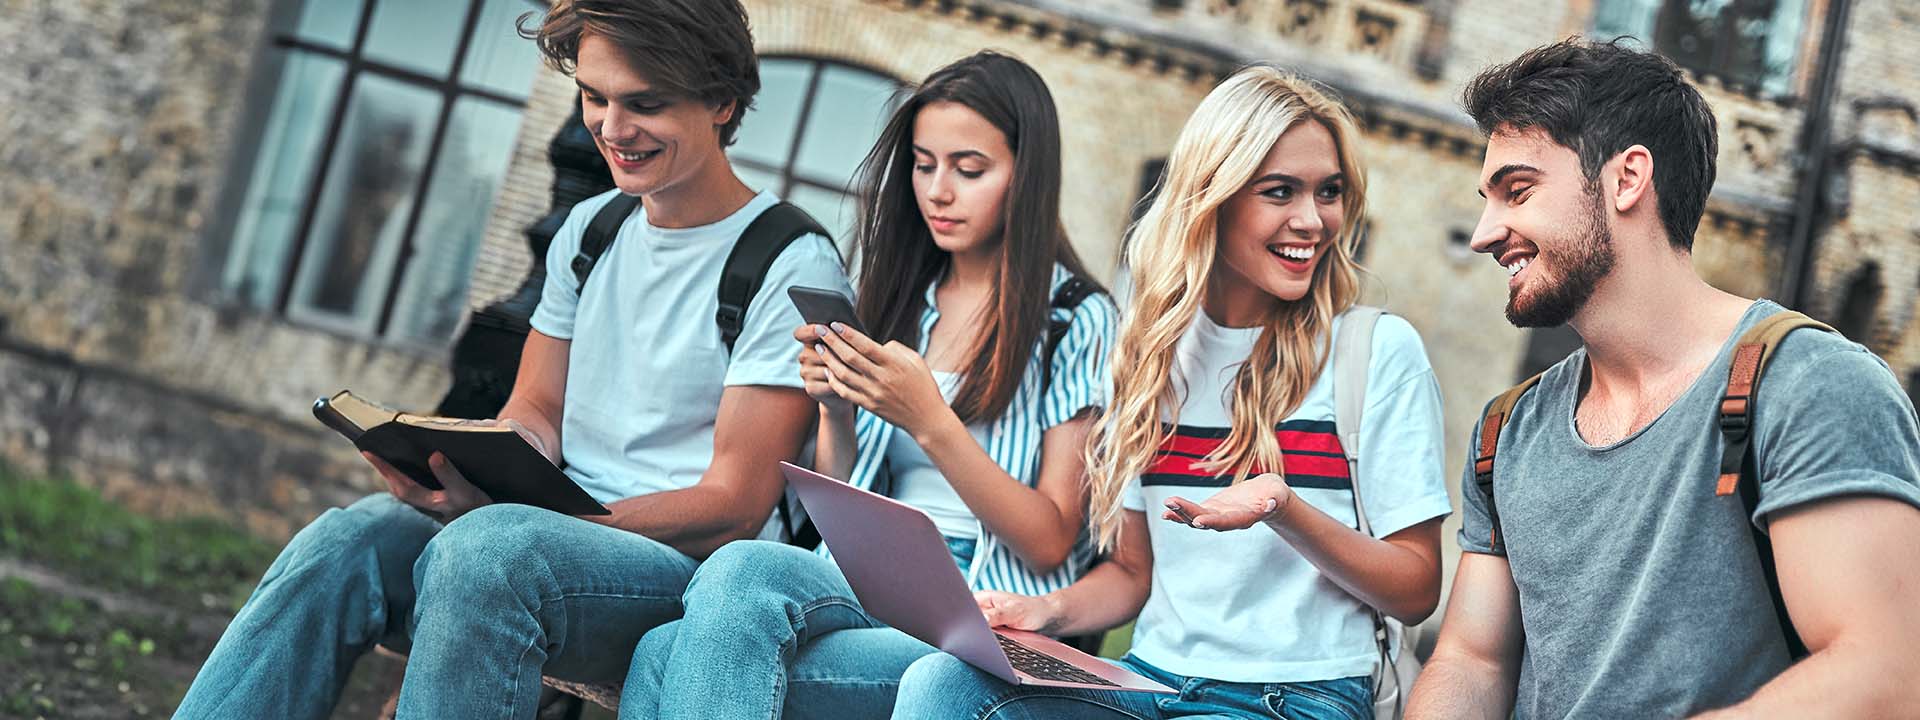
[(1244, 606), (918, 483), (646, 365)]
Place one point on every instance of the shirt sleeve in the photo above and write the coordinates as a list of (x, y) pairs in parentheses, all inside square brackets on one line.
[(1132, 498), (1476, 524), (1839, 425), (765, 353), (560, 296), (1079, 368), (1402, 434)]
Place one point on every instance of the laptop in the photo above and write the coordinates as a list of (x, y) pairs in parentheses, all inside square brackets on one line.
[(902, 572)]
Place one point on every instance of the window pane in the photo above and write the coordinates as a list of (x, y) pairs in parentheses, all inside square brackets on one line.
[(499, 59), (766, 133), (418, 35), (472, 161), (330, 22), (282, 173), (834, 210), (1634, 18), (847, 116), (364, 203), (757, 179), (1783, 45)]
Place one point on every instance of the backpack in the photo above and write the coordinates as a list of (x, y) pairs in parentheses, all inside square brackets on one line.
[(1737, 477), (1353, 353), (740, 279)]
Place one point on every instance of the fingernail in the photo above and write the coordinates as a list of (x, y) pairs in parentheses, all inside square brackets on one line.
[(1199, 525), (839, 328), (820, 329), (820, 348), (1271, 504)]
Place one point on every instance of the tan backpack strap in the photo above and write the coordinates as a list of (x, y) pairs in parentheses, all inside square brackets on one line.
[(1737, 475), (1498, 412), (1750, 355)]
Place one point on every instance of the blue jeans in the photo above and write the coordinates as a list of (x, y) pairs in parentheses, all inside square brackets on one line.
[(943, 686), (483, 606), (771, 631)]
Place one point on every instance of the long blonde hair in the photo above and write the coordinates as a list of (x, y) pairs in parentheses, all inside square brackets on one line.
[(1171, 251)]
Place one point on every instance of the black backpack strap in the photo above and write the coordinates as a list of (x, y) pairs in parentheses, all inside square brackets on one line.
[(1066, 297), (600, 234), (753, 254), (740, 279)]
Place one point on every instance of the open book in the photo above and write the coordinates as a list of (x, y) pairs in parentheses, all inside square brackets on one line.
[(492, 457)]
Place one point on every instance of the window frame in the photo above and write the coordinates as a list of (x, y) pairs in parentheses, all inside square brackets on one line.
[(789, 178), (281, 44)]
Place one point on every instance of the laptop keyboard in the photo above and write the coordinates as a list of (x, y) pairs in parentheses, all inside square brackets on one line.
[(1045, 667)]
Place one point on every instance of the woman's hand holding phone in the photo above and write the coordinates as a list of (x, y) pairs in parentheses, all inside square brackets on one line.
[(814, 373), (891, 380)]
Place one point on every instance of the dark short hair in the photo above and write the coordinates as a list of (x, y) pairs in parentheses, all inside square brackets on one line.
[(699, 49), (1600, 98)]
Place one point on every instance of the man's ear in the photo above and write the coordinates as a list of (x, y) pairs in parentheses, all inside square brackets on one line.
[(723, 113), (1632, 180)]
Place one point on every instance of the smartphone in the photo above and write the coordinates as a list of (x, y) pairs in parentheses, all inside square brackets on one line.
[(823, 307)]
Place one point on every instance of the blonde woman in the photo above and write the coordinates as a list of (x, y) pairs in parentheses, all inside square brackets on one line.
[(1219, 484)]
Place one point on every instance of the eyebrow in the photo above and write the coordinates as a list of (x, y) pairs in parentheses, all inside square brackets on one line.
[(1285, 178), (1503, 172), (956, 155), (629, 97)]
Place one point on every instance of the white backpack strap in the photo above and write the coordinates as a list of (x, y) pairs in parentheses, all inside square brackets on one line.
[(1352, 354)]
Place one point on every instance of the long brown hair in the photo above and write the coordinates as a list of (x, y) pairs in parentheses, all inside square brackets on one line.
[(896, 253)]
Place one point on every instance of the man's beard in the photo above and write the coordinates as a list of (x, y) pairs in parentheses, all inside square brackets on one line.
[(1585, 260)]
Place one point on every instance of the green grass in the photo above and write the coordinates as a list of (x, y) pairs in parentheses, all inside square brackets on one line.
[(65, 657), (72, 530)]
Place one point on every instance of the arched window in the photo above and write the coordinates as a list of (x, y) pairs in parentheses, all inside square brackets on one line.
[(384, 131), (811, 125)]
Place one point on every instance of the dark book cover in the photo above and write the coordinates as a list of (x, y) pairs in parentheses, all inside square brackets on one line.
[(492, 457)]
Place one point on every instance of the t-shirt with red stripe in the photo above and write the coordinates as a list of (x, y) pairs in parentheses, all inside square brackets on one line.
[(1244, 606)]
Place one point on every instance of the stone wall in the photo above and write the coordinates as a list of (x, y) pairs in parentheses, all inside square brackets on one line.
[(117, 366), (1874, 230)]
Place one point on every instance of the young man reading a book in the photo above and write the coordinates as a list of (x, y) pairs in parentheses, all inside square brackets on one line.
[(1616, 555), (626, 381)]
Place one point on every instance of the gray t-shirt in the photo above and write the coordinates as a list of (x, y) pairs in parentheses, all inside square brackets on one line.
[(1640, 591)]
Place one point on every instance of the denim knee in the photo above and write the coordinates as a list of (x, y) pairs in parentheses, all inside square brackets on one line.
[(496, 546), (759, 567), (933, 685), (340, 538)]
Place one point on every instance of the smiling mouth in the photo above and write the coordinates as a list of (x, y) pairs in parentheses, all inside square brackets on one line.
[(1294, 253), (1518, 265), (633, 157)]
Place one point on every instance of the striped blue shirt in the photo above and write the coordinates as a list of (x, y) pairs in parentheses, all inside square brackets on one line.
[(1013, 440)]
